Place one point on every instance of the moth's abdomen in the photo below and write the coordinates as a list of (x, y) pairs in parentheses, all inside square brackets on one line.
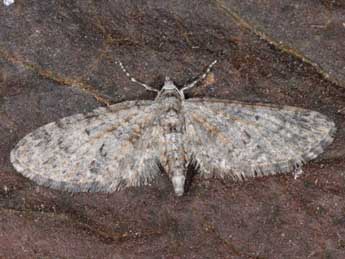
[(175, 164), (172, 152)]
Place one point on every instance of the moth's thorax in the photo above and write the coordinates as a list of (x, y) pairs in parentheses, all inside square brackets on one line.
[(170, 104)]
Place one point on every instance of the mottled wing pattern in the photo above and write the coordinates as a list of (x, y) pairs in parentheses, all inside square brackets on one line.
[(240, 140), (105, 150)]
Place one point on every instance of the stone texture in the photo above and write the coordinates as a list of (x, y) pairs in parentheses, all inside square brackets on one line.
[(310, 30)]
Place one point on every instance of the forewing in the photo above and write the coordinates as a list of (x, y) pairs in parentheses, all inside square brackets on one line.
[(105, 150), (242, 140)]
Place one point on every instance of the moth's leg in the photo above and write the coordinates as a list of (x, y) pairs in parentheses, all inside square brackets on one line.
[(147, 87), (199, 78)]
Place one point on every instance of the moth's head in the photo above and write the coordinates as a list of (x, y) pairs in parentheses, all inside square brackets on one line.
[(169, 89)]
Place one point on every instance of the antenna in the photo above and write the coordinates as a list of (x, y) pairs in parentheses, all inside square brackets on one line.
[(147, 87), (199, 78)]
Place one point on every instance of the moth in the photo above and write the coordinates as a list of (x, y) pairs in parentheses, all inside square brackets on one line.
[(130, 143)]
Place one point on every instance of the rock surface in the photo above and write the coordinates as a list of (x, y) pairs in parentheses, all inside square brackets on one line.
[(312, 30)]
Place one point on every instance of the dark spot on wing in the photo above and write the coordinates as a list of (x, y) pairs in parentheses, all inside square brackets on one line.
[(94, 167), (90, 115), (247, 137), (101, 151), (247, 134)]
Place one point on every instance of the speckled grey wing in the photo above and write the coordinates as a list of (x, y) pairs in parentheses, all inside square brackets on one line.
[(241, 140), (105, 150)]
